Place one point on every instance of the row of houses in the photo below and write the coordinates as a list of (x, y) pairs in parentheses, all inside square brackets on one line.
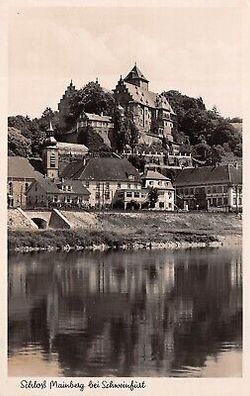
[(116, 183)]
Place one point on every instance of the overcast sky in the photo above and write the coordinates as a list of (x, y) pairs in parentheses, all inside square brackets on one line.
[(194, 50)]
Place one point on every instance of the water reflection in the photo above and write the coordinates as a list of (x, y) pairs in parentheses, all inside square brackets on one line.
[(124, 314)]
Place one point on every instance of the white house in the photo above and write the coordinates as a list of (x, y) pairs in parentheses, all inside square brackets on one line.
[(152, 179)]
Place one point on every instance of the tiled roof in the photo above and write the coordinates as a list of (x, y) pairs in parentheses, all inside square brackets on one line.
[(147, 98), (97, 117), (48, 185), (135, 73), (19, 167), (209, 175), (101, 169), (154, 175), (51, 187), (62, 146)]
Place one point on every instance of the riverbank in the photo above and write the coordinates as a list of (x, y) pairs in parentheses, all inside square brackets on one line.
[(135, 231)]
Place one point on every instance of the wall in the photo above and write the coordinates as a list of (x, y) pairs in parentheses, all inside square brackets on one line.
[(58, 220), (19, 189)]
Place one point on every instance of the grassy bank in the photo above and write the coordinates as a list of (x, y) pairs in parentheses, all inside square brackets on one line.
[(134, 230), (82, 239)]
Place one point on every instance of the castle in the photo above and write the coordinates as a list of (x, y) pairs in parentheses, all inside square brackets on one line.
[(152, 113)]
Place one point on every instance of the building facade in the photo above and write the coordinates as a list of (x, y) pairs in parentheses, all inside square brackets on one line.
[(21, 174), (61, 193), (151, 112), (164, 187), (210, 187), (103, 177)]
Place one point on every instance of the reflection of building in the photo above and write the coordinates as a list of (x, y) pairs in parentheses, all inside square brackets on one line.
[(220, 186), (151, 111), (20, 176), (124, 314)]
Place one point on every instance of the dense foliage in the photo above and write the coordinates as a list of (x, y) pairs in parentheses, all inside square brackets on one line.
[(210, 135)]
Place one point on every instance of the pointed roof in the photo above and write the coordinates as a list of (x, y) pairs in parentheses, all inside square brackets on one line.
[(135, 73), (149, 174)]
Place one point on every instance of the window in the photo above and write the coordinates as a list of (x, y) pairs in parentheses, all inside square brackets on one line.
[(26, 187), (97, 195), (129, 194), (159, 183), (151, 183), (214, 202), (225, 201), (69, 188), (191, 191), (107, 195), (10, 188), (169, 194), (219, 189), (240, 201), (186, 191), (161, 205), (129, 185), (209, 190), (219, 201), (234, 201), (170, 205), (52, 160), (107, 185), (137, 194), (118, 185), (214, 189), (98, 185)]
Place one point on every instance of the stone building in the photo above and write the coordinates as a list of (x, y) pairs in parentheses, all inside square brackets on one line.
[(64, 104), (151, 111), (50, 155), (210, 187), (20, 176)]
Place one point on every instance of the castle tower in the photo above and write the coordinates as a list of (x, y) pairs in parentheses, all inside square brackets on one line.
[(136, 77), (50, 154)]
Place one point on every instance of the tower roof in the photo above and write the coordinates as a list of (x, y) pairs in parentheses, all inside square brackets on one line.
[(135, 73)]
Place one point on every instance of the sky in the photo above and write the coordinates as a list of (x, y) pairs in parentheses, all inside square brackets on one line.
[(197, 51)]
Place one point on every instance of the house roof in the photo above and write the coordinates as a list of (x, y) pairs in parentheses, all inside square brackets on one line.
[(101, 169), (20, 168), (97, 117), (154, 175), (135, 73), (147, 98), (209, 175), (68, 147), (51, 187)]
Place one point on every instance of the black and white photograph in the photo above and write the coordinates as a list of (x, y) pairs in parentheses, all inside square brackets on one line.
[(124, 194)]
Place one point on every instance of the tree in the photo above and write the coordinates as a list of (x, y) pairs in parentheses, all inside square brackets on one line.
[(137, 162), (93, 141), (91, 99), (18, 144), (200, 198), (125, 130), (153, 196), (217, 153)]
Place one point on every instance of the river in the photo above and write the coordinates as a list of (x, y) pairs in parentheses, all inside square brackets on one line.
[(143, 313)]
